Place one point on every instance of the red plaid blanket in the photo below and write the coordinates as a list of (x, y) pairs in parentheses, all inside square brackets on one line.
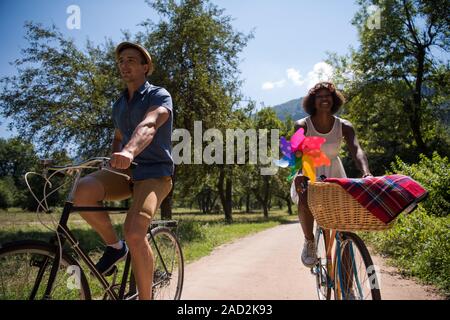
[(385, 197)]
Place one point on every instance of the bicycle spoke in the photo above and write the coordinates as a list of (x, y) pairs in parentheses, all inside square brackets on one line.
[(168, 271), (25, 277)]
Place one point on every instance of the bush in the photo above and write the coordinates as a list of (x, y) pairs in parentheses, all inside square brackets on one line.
[(189, 230), (434, 175), (7, 192), (420, 246)]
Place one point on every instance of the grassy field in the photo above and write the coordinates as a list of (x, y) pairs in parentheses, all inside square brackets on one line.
[(199, 234)]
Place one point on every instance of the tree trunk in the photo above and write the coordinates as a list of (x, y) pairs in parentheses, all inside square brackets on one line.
[(415, 106), (288, 202), (228, 200), (225, 194), (247, 202), (264, 199), (265, 211), (266, 196), (415, 125)]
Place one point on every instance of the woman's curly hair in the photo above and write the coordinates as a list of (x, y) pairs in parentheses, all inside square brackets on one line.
[(310, 100)]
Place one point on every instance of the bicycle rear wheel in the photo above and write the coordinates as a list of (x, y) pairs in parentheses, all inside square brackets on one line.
[(169, 265), (355, 275), (24, 271), (320, 268)]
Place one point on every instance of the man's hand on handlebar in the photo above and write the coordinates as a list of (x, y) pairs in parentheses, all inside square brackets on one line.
[(121, 160)]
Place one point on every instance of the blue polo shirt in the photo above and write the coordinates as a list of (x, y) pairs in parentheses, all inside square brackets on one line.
[(156, 160)]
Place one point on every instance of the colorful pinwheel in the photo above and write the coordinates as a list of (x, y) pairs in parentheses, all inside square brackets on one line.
[(302, 153)]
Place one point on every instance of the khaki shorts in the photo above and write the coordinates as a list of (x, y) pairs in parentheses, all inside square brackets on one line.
[(147, 195)]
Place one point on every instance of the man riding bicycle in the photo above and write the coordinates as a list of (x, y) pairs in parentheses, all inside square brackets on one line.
[(143, 122)]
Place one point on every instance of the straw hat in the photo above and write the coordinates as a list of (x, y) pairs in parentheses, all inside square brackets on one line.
[(125, 45)]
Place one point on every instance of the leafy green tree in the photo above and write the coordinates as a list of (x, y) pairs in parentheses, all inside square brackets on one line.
[(7, 192), (17, 157), (262, 185), (196, 49), (434, 175), (281, 186), (61, 96), (396, 81)]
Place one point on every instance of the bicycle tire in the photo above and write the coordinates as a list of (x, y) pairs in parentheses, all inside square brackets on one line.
[(320, 269), (167, 285), (364, 282), (20, 263)]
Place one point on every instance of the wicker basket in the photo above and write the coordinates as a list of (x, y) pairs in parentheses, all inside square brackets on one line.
[(335, 208)]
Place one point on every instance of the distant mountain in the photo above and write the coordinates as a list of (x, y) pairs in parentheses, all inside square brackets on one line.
[(293, 108)]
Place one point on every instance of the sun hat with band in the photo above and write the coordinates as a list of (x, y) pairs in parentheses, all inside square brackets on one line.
[(126, 45), (309, 100)]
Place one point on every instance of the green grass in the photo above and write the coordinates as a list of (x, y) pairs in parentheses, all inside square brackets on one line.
[(199, 234)]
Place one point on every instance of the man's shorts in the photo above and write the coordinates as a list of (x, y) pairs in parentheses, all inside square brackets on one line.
[(146, 195)]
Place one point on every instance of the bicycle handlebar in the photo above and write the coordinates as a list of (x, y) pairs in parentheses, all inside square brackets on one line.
[(48, 164), (92, 163)]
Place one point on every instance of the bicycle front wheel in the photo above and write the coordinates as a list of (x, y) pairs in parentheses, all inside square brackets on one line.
[(320, 268), (355, 274), (24, 271), (168, 273)]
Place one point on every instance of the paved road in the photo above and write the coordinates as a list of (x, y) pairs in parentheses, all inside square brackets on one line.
[(267, 265)]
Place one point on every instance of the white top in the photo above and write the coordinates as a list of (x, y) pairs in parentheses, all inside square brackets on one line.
[(331, 148)]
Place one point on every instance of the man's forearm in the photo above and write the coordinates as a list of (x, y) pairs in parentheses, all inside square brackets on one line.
[(142, 136)]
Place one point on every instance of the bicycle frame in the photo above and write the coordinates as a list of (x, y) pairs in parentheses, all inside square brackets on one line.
[(67, 235), (63, 233)]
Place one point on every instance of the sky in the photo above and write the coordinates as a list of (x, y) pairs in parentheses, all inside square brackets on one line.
[(285, 57)]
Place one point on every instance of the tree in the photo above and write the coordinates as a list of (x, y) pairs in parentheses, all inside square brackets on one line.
[(17, 157), (61, 97), (281, 186), (196, 49), (262, 184), (7, 192), (395, 75)]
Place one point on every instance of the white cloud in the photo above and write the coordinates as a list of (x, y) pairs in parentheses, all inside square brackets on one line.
[(272, 85), (322, 71), (295, 77)]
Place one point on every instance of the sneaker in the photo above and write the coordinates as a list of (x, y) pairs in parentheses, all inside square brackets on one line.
[(110, 257), (309, 254)]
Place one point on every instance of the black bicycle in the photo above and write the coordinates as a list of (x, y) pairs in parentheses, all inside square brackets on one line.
[(32, 269)]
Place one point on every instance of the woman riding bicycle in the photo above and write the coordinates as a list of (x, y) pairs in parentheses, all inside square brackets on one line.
[(321, 103)]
